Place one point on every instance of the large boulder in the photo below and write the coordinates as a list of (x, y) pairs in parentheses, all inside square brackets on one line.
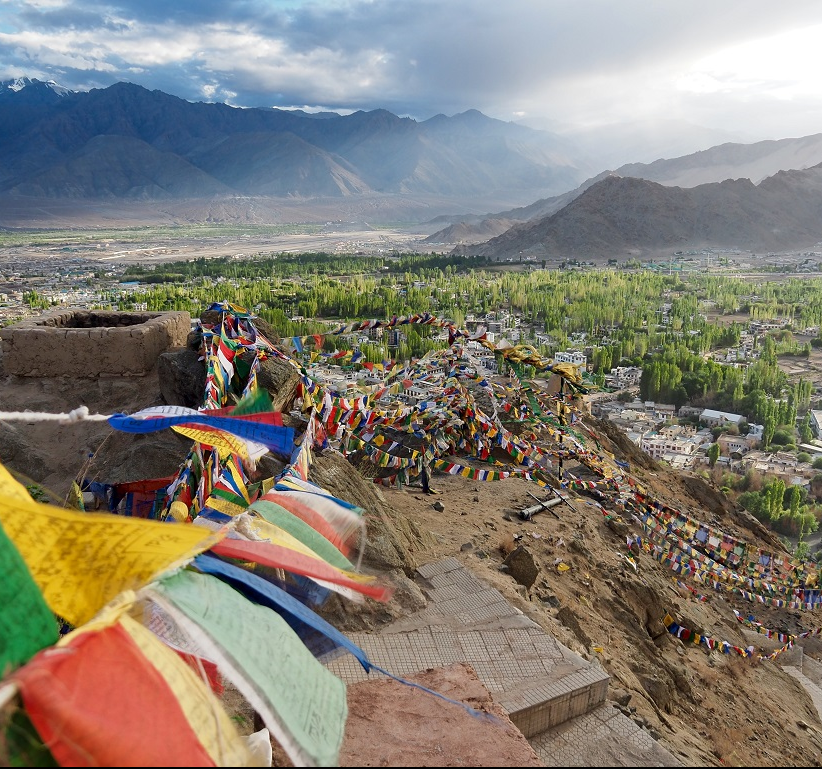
[(279, 377), (521, 566), (182, 377), (377, 731)]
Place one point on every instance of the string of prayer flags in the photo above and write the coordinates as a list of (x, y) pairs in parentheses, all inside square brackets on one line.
[(299, 617), (687, 635), (340, 530), (278, 439), (278, 556), (769, 633), (283, 519)]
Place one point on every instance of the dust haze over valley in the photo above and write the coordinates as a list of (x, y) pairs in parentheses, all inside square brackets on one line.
[(124, 157)]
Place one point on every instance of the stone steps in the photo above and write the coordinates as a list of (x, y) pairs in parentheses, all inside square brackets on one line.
[(601, 737), (553, 696)]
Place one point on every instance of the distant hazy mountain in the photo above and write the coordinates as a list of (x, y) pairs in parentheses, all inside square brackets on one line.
[(754, 162), (731, 161), (130, 143), (124, 144), (622, 216)]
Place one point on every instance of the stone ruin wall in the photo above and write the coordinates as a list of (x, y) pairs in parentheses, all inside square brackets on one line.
[(91, 343)]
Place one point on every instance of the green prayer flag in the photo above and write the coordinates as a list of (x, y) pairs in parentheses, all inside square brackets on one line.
[(301, 701), (27, 625)]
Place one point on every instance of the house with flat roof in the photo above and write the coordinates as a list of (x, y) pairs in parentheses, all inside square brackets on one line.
[(718, 418)]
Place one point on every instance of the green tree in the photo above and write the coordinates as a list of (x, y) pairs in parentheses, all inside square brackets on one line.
[(774, 497)]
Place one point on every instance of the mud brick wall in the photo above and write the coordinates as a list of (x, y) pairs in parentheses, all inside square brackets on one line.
[(91, 343)]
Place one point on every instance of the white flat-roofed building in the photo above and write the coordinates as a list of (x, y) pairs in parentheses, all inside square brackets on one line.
[(571, 356)]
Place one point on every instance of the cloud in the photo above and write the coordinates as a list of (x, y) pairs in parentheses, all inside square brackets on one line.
[(735, 66)]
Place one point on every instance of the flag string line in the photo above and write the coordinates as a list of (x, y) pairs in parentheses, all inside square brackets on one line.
[(80, 414)]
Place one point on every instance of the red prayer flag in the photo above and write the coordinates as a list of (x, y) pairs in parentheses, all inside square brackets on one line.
[(98, 701)]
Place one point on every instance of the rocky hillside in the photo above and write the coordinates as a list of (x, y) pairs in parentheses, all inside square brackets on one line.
[(620, 217), (577, 569)]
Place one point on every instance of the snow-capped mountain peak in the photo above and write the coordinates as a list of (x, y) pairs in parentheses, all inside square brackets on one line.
[(19, 83)]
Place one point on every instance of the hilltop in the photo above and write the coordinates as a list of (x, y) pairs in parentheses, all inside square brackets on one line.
[(595, 595), (621, 217)]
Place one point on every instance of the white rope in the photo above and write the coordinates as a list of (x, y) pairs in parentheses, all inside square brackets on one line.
[(80, 414)]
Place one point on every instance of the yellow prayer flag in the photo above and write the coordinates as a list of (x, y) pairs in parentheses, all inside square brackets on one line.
[(12, 487), (80, 561), (225, 442), (225, 506)]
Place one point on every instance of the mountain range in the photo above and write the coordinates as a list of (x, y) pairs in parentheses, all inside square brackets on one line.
[(126, 148), (127, 142)]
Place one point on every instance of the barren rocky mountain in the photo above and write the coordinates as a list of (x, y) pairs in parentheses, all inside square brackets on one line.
[(621, 217), (125, 155), (125, 142), (601, 599)]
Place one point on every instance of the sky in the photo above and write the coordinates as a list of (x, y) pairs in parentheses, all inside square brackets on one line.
[(747, 70)]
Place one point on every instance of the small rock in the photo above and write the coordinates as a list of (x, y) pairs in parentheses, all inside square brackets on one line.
[(621, 697), (438, 506), (577, 546), (551, 600), (466, 547), (522, 566)]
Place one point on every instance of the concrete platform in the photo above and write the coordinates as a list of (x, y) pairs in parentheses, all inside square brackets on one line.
[(555, 697)]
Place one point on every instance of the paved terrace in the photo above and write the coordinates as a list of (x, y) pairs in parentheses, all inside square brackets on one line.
[(556, 698)]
